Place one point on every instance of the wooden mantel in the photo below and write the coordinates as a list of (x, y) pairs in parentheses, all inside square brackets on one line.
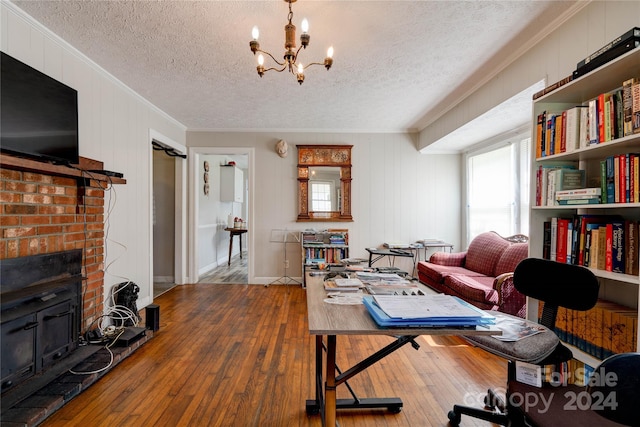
[(19, 163)]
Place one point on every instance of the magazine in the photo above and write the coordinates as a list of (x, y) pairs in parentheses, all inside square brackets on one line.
[(515, 329)]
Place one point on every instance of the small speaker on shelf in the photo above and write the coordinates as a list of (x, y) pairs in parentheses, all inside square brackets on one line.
[(152, 317)]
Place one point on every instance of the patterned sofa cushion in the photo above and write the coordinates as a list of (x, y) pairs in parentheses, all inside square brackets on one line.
[(484, 252), (436, 272), (511, 257), (475, 290)]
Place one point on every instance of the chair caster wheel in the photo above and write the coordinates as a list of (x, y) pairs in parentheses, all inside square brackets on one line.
[(454, 419), (489, 403)]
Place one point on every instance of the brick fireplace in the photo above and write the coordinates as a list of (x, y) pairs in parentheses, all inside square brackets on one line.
[(44, 212), (48, 211)]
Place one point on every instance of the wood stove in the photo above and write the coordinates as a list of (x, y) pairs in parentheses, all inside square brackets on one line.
[(40, 310)]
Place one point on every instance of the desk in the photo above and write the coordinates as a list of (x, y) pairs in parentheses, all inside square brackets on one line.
[(392, 254), (332, 320), (235, 232)]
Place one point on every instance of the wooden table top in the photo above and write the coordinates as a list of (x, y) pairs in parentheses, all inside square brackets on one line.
[(236, 230), (336, 319)]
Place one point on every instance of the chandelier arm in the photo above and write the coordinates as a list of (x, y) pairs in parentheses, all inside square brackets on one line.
[(274, 59), (313, 63), (284, 67)]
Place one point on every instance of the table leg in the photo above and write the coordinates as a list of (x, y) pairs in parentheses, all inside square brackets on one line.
[(240, 240), (230, 247), (330, 383)]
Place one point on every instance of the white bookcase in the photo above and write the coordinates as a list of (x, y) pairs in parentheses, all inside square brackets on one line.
[(326, 247), (620, 288)]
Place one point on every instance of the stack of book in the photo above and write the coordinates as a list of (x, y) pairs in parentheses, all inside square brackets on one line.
[(579, 196)]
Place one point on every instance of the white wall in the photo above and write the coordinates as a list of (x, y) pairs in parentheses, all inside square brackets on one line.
[(114, 126), (554, 58), (398, 194)]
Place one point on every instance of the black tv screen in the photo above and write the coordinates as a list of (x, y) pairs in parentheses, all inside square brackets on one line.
[(38, 114)]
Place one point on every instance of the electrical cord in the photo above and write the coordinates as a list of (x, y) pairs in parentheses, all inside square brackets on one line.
[(108, 347)]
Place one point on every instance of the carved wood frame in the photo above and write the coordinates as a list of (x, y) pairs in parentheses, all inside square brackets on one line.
[(324, 155)]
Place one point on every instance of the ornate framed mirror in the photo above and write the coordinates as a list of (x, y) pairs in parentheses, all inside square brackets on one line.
[(324, 183)]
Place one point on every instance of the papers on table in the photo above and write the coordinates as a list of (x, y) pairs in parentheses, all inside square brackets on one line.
[(343, 285), (341, 282), (432, 306), (371, 278), (425, 311), (394, 290)]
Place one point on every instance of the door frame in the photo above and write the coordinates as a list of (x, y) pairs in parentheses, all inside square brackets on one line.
[(193, 158), (180, 225)]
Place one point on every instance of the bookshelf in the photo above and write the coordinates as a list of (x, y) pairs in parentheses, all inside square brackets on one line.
[(617, 287), (326, 247)]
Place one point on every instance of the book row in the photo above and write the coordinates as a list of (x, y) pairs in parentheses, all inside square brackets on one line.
[(618, 182), (606, 329), (325, 237), (602, 242), (327, 255), (620, 179), (609, 116)]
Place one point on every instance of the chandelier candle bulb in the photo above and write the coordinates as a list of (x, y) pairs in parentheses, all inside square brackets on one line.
[(253, 44)]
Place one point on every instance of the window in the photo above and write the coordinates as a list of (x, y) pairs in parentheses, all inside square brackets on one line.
[(321, 196), (498, 189)]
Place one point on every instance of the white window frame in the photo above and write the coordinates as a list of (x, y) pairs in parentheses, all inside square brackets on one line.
[(312, 193), (518, 140)]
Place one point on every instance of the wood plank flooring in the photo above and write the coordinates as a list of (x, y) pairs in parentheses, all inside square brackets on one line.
[(241, 355), (237, 272)]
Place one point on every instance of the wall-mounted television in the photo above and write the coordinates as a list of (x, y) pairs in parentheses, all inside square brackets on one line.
[(38, 114)]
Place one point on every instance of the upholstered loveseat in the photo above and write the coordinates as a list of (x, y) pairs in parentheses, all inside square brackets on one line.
[(481, 275)]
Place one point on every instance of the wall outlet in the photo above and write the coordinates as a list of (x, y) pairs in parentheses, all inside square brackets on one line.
[(286, 263)]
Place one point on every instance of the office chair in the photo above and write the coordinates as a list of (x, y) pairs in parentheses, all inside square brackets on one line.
[(556, 285), (622, 385)]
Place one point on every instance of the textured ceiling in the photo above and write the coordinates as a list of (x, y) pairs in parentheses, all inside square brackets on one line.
[(396, 64)]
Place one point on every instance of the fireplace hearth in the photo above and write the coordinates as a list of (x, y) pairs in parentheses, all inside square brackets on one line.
[(40, 310)]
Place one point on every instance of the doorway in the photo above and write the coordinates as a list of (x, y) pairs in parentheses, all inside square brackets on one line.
[(168, 221), (211, 214), (163, 211)]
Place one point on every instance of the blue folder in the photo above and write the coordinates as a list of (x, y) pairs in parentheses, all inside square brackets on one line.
[(382, 319)]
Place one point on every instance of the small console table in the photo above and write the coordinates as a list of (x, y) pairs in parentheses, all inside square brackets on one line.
[(235, 232)]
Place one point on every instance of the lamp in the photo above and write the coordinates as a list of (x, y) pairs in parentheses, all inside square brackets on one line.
[(290, 53)]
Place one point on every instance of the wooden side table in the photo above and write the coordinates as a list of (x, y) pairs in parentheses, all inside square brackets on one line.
[(235, 232)]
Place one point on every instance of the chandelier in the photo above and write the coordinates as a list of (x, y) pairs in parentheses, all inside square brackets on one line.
[(290, 54)]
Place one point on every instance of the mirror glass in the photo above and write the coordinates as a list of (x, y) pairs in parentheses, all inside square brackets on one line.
[(324, 183), (324, 189)]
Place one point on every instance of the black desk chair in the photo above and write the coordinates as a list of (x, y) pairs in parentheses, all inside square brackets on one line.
[(621, 385), (556, 285)]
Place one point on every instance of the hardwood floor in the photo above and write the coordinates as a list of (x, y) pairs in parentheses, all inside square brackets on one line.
[(242, 356), (237, 272)]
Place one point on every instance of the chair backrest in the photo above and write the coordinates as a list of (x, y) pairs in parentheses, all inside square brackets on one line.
[(614, 389), (557, 284)]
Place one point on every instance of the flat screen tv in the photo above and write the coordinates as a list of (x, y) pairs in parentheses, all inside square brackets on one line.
[(38, 114)]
